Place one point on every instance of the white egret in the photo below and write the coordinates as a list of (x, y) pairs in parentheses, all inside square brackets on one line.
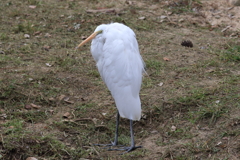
[(115, 49)]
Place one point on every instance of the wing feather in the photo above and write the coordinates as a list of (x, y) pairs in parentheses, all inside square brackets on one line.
[(121, 67)]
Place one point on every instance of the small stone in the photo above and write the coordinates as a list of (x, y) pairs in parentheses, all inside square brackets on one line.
[(27, 36), (47, 64), (173, 128), (77, 26), (35, 106), (181, 20), (142, 18), (163, 17), (47, 35), (217, 101), (31, 158)]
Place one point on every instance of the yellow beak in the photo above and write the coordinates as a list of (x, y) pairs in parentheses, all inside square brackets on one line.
[(89, 38)]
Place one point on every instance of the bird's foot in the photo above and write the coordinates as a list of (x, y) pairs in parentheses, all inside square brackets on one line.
[(113, 144), (126, 149)]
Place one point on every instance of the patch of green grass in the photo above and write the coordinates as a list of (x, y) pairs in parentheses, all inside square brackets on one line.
[(124, 139), (25, 49), (231, 54), (85, 107), (180, 132), (155, 66), (7, 90), (94, 73), (195, 96), (46, 146), (183, 6), (4, 37), (231, 80), (13, 126), (35, 2), (8, 60), (234, 132), (203, 105), (65, 126), (144, 25), (26, 27), (209, 63), (139, 153), (67, 63), (212, 112), (33, 116), (68, 43), (210, 106), (147, 82)]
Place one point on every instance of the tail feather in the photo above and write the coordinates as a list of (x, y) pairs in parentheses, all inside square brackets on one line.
[(129, 106)]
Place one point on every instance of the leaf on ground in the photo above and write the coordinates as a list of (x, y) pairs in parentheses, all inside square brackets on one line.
[(61, 97), (129, 2), (28, 106), (37, 33), (45, 47), (218, 143), (95, 120), (181, 20), (154, 131), (3, 116), (32, 6), (166, 59), (69, 102), (67, 115), (51, 111), (163, 17), (47, 35), (35, 106), (225, 138), (66, 99), (142, 18), (83, 37), (52, 99), (210, 70), (110, 10)]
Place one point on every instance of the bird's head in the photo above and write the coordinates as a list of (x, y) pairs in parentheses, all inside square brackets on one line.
[(92, 36)]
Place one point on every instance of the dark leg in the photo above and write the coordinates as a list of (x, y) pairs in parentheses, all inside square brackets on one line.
[(116, 135), (132, 147), (116, 132)]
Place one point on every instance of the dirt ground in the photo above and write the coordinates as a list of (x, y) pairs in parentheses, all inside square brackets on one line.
[(54, 105)]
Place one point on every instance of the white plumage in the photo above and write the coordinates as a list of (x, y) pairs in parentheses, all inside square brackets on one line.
[(120, 65), (115, 49)]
